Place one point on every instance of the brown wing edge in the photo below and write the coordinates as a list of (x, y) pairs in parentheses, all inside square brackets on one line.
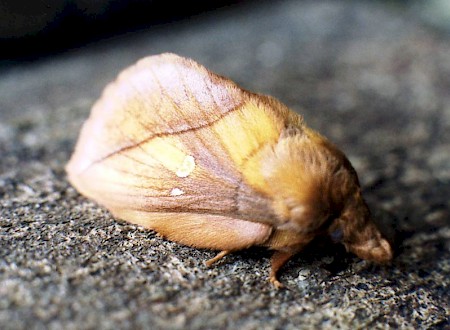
[(202, 230)]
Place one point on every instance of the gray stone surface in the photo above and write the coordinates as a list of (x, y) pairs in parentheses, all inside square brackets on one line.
[(369, 77)]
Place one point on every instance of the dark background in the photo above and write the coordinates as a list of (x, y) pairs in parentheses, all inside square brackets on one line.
[(372, 76), (34, 28)]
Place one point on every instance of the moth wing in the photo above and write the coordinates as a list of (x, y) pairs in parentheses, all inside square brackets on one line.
[(168, 136), (205, 231)]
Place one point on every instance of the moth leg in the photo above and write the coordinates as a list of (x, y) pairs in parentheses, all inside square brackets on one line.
[(206, 231), (219, 256), (286, 244), (278, 260)]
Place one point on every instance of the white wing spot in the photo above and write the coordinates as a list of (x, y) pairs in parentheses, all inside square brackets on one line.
[(186, 167), (176, 192)]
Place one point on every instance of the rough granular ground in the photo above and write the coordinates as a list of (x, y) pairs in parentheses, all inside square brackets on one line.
[(369, 77)]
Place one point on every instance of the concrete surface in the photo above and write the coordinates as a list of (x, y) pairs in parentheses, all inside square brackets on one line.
[(366, 75)]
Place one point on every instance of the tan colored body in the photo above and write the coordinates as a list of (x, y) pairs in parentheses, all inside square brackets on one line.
[(180, 150)]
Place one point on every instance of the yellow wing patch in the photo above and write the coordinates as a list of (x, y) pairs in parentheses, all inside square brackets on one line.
[(169, 152), (244, 134)]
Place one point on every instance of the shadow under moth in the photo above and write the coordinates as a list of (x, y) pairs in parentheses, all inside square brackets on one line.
[(189, 154)]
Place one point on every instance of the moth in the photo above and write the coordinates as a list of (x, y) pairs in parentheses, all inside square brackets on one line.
[(189, 154)]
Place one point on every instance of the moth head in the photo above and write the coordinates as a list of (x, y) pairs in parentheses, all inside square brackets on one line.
[(360, 234)]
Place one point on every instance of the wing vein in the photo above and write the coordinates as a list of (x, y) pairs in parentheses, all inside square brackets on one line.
[(163, 134)]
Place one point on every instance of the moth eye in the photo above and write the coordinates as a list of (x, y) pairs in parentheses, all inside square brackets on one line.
[(337, 235)]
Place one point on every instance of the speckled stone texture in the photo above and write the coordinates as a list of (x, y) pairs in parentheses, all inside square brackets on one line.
[(368, 76)]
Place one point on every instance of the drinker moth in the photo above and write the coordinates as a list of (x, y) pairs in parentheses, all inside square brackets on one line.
[(189, 154)]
